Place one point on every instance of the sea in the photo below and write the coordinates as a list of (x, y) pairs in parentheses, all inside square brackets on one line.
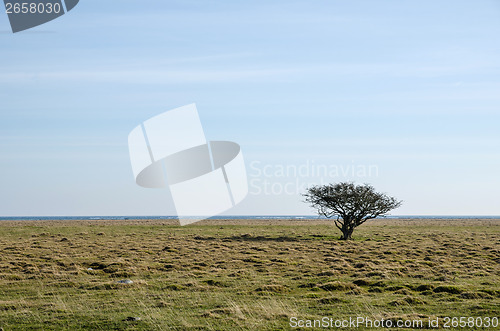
[(231, 217)]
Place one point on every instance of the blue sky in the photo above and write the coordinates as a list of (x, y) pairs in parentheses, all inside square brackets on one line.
[(410, 87)]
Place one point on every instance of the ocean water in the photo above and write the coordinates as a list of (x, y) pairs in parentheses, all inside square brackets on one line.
[(232, 217)]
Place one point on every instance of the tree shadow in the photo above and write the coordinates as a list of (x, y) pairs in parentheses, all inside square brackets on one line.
[(252, 238)]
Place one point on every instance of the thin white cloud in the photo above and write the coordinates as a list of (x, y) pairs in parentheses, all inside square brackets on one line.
[(295, 72)]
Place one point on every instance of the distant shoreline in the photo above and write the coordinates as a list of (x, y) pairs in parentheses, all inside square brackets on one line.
[(239, 217)]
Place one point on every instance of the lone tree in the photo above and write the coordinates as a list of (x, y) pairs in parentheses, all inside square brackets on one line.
[(351, 204)]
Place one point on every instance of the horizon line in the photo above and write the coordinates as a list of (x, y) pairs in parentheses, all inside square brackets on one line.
[(235, 216)]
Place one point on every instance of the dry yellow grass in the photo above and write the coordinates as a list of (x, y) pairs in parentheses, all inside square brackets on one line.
[(242, 275)]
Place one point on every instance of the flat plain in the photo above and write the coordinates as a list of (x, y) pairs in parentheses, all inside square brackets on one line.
[(244, 275)]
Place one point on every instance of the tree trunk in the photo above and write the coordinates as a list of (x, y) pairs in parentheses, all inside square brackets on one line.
[(346, 233)]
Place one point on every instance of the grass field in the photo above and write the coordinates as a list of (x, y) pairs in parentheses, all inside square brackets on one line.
[(236, 275)]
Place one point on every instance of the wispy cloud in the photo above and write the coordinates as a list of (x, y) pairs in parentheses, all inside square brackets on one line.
[(163, 74), (147, 76)]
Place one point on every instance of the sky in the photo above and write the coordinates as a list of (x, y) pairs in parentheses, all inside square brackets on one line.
[(403, 95)]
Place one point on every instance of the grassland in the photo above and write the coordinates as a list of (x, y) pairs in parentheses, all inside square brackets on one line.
[(235, 275)]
